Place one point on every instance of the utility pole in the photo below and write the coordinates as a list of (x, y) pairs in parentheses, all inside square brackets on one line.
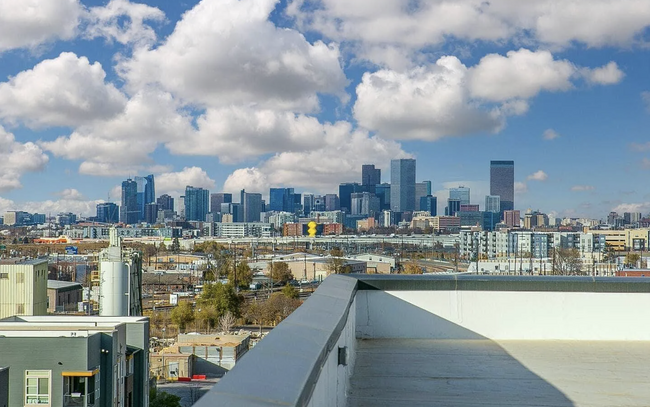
[(235, 268)]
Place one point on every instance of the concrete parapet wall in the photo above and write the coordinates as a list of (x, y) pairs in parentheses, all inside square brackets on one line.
[(297, 363), (503, 315)]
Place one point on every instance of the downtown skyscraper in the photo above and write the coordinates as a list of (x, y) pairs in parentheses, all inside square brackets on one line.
[(502, 183), (146, 194), (129, 210), (370, 177), (196, 203), (402, 185), (251, 206)]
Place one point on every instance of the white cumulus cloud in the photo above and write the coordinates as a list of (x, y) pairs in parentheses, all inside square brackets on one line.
[(448, 98), (30, 23), (236, 132), (123, 21), (227, 51), (426, 103), (642, 207), (122, 145), (71, 194), (519, 74), (174, 183), (645, 97), (520, 188), (320, 169), (582, 188), (16, 159), (373, 25), (550, 134), (605, 75), (64, 91), (538, 176)]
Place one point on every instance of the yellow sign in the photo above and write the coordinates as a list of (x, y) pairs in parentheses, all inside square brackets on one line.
[(311, 228)]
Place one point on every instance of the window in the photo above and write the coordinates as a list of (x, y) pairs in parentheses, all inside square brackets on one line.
[(4, 275), (37, 387)]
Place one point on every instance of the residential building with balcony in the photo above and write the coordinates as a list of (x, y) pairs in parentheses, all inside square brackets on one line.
[(85, 361)]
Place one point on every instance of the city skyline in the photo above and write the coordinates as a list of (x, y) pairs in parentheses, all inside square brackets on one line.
[(324, 96)]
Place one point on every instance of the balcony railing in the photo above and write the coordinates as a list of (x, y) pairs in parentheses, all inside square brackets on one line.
[(79, 400)]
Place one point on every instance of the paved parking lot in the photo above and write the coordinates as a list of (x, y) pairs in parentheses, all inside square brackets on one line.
[(189, 392)]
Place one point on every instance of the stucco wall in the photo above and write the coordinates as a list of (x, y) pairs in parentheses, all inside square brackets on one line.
[(503, 315), (334, 380)]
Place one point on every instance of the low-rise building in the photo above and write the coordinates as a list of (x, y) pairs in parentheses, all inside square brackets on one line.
[(445, 223), (210, 355), (76, 360), (23, 287), (365, 224), (318, 268), (63, 296), (242, 229), (376, 264)]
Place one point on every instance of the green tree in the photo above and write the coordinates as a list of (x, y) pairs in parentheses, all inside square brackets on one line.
[(224, 266), (183, 315), (162, 399), (280, 272), (254, 312), (290, 291), (278, 307), (209, 247), (631, 259), (176, 245), (222, 297), (244, 275), (207, 316)]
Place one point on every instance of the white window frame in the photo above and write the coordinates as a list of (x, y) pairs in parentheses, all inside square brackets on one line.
[(47, 398)]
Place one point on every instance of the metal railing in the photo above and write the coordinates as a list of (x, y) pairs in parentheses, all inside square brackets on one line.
[(78, 399)]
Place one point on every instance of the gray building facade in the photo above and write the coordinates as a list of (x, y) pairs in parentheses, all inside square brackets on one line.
[(129, 211), (402, 185), (461, 193), (251, 206), (76, 361), (502, 183), (196, 203), (422, 189)]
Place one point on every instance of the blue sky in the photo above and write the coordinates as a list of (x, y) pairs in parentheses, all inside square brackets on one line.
[(229, 94)]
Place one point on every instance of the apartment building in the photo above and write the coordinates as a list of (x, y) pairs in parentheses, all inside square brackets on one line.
[(70, 361)]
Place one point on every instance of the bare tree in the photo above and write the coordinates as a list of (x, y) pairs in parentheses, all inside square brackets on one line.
[(566, 262), (226, 322)]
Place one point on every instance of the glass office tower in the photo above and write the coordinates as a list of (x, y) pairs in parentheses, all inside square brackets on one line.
[(402, 185), (502, 183)]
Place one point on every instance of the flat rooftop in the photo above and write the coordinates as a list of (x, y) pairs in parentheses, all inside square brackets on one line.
[(455, 373), (23, 261)]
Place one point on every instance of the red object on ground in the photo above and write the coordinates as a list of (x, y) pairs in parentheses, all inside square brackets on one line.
[(184, 379), (198, 377)]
